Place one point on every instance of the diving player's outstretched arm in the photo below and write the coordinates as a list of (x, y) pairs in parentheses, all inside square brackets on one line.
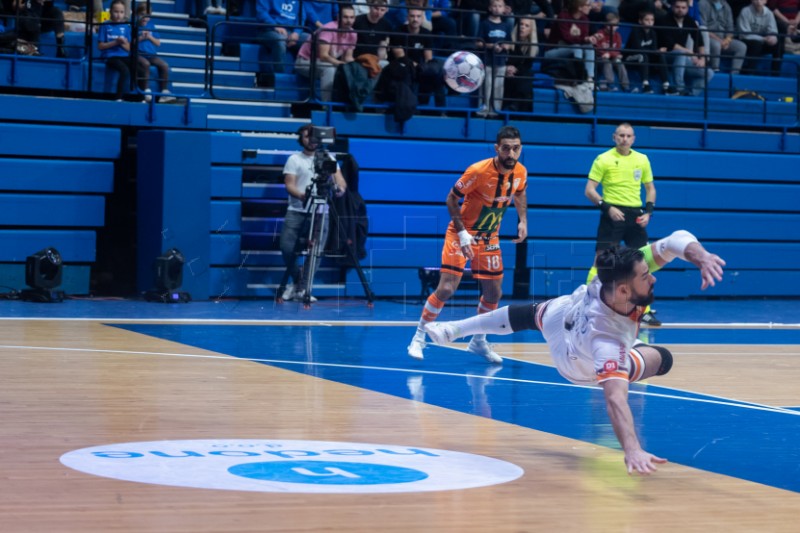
[(684, 245)]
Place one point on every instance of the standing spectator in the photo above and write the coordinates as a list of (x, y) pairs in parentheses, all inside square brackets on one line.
[(679, 36), (718, 17), (335, 43), (282, 34), (518, 90), (37, 17), (486, 188), (642, 52), (494, 34), (298, 173), (570, 36), (622, 172), (609, 49), (114, 42), (149, 41), (758, 29), (414, 43)]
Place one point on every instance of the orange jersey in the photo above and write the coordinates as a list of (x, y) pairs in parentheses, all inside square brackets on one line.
[(487, 194)]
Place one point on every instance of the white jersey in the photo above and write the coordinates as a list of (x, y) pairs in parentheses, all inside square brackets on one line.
[(302, 166), (589, 342)]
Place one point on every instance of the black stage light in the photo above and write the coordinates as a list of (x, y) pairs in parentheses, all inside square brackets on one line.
[(169, 278), (43, 275)]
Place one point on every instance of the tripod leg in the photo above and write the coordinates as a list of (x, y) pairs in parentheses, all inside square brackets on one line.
[(316, 244)]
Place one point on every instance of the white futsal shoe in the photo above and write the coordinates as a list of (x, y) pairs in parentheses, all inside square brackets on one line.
[(417, 345), (442, 332), (484, 349)]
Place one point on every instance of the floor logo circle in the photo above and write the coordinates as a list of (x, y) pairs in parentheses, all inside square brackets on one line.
[(291, 466)]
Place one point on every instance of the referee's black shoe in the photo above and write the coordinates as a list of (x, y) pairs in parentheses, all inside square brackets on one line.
[(649, 318)]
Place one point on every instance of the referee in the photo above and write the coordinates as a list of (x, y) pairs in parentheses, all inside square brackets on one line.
[(622, 172)]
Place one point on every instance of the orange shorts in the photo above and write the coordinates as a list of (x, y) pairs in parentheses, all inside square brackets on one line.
[(487, 263)]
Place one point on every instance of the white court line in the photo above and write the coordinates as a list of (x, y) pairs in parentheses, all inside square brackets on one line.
[(393, 323), (753, 406)]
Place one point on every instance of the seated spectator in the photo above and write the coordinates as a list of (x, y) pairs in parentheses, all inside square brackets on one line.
[(398, 13), (469, 17), (608, 44), (759, 31), (443, 23), (283, 18), (598, 14), (37, 17), (149, 41), (570, 36), (718, 17), (630, 10), (373, 31), (414, 44), (518, 91), (319, 13), (787, 17), (679, 36), (114, 42), (335, 43), (495, 33), (642, 53)]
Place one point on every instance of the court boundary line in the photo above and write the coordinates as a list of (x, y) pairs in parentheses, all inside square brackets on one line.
[(376, 323), (728, 401)]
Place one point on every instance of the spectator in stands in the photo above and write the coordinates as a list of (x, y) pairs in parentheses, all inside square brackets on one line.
[(598, 14), (630, 10), (570, 36), (469, 16), (283, 18), (335, 43), (787, 17), (718, 17), (444, 24), (298, 173), (319, 13), (622, 172), (642, 52), (398, 13), (487, 189), (149, 41), (114, 42), (518, 91), (495, 35), (759, 31), (414, 43), (39, 16), (679, 36), (373, 31), (608, 44)]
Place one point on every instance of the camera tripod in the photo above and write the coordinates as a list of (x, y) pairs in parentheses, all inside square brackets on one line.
[(319, 218)]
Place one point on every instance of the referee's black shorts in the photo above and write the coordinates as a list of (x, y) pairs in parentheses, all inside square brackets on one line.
[(611, 232)]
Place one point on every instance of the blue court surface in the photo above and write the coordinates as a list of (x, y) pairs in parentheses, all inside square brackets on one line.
[(350, 343)]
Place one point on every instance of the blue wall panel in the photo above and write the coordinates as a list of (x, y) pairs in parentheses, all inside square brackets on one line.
[(73, 245), (59, 141), (226, 182), (53, 175), (225, 249), (51, 210), (226, 216)]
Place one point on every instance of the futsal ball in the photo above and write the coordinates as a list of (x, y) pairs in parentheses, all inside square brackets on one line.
[(464, 71)]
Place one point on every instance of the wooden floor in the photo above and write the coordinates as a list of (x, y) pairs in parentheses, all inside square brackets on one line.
[(69, 385)]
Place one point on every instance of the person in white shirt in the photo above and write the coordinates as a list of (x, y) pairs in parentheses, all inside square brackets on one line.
[(592, 333)]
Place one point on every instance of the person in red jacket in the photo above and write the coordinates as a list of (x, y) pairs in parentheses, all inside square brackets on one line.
[(570, 36), (608, 45)]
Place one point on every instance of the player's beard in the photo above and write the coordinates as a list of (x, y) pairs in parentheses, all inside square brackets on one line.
[(642, 300), (508, 163)]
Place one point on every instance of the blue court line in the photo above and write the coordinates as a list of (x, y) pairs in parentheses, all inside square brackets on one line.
[(739, 439)]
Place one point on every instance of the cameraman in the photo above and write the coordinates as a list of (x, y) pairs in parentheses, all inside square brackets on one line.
[(299, 173)]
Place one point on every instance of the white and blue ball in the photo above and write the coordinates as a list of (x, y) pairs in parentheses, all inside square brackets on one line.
[(464, 72)]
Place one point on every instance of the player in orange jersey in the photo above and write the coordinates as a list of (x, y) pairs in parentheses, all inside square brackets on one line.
[(485, 189)]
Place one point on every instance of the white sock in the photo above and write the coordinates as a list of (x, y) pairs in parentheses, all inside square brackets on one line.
[(495, 322)]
